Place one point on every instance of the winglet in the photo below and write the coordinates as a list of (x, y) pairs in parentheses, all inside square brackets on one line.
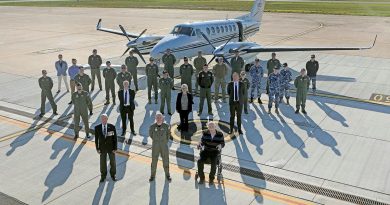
[(99, 24)]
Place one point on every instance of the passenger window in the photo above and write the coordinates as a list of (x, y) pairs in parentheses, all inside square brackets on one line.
[(222, 30), (208, 31), (226, 29), (218, 30), (230, 28), (213, 30)]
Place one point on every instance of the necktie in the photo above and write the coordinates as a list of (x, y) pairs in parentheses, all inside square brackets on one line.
[(126, 97), (235, 92), (104, 131), (60, 63)]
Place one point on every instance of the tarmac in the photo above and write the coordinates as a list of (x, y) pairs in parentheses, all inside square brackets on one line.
[(337, 154)]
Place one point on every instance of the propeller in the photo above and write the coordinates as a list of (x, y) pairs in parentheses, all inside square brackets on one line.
[(135, 49), (217, 54)]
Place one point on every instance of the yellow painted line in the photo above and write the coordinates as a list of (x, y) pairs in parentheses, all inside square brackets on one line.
[(173, 167)]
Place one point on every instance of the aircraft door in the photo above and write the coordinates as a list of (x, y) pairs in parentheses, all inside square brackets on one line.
[(240, 32)]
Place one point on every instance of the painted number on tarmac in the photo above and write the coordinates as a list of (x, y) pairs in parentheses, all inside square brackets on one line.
[(380, 98)]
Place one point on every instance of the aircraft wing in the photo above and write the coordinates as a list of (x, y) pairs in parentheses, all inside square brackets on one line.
[(259, 49), (113, 31)]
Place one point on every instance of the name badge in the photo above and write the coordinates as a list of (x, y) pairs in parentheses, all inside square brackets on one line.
[(111, 133)]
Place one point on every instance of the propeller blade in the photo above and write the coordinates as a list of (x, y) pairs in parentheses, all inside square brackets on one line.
[(124, 32), (226, 61), (234, 35), (125, 51), (139, 53), (207, 39), (211, 60), (140, 34)]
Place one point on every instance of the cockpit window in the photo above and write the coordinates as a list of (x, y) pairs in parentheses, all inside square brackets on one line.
[(182, 30)]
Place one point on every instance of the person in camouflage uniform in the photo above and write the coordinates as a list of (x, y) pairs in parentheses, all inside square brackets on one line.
[(271, 64), (186, 72), (123, 76), (237, 63), (220, 72), (109, 75), (256, 72), (82, 103), (274, 80), (132, 63), (198, 64), (165, 84), (247, 84), (95, 61), (83, 78), (169, 61), (151, 71), (302, 83), (46, 84), (286, 75)]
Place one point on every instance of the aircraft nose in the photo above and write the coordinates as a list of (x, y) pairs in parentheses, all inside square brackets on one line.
[(156, 52)]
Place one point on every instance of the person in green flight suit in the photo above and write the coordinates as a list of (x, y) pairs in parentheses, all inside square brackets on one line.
[(247, 84), (160, 134), (198, 64), (109, 75), (95, 61), (46, 84), (83, 78), (82, 103), (132, 63), (302, 83), (123, 76), (169, 61), (205, 80), (151, 71), (165, 84), (186, 72), (220, 71), (237, 63)]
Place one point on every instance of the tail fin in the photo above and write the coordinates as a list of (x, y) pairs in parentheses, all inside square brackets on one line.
[(256, 13)]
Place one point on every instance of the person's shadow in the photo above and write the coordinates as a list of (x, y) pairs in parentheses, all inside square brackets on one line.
[(186, 164), (164, 195), (213, 195), (61, 172), (255, 137), (332, 113), (147, 121)]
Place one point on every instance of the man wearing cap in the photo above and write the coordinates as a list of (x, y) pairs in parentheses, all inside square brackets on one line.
[(271, 64), (160, 134), (123, 76), (72, 72), (237, 62), (256, 72), (109, 75), (198, 64), (61, 68), (247, 85), (126, 107), (205, 80), (82, 103), (302, 83), (106, 143), (83, 78), (186, 72), (236, 91), (169, 61), (95, 61), (286, 76), (274, 80), (132, 63), (312, 67), (220, 72), (151, 71), (165, 84), (46, 84)]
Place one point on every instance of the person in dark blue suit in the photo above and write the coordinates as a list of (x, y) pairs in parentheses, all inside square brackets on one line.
[(184, 107), (127, 107)]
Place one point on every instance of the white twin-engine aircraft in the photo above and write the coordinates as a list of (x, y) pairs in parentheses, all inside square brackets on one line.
[(219, 38)]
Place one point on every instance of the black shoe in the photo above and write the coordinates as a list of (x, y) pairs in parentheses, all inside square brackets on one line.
[(288, 101), (240, 132), (169, 178), (269, 110), (211, 182), (113, 178), (88, 136), (297, 111), (92, 89), (133, 133), (162, 113), (173, 88), (101, 89), (304, 112), (58, 91), (75, 137), (55, 113), (90, 113), (123, 133), (70, 103), (169, 113), (151, 179), (251, 100), (260, 102), (113, 102), (201, 181), (199, 113), (277, 111), (107, 103), (102, 179), (41, 115)]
